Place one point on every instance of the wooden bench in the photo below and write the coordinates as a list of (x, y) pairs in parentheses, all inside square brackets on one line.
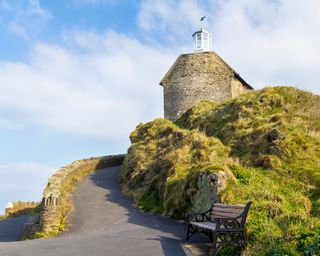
[(223, 224)]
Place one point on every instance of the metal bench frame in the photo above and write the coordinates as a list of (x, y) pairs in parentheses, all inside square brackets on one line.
[(223, 224)]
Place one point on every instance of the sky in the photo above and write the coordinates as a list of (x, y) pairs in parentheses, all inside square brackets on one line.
[(77, 76)]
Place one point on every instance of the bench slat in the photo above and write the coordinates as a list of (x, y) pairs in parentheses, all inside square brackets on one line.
[(232, 210), (207, 225), (229, 206), (225, 214)]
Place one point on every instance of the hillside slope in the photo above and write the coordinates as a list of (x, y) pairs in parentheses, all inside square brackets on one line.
[(263, 146)]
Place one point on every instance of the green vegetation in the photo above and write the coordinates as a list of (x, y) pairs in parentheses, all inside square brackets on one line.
[(263, 146), (167, 160)]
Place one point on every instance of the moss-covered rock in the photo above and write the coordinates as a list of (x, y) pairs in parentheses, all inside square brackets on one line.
[(263, 146)]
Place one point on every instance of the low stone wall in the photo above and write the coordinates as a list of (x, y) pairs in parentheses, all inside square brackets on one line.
[(53, 211), (19, 208), (30, 228)]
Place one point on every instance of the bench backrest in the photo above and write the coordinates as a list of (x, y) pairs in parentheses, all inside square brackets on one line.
[(239, 212)]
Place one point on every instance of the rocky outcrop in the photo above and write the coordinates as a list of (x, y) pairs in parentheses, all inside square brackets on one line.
[(209, 185), (269, 149), (53, 212)]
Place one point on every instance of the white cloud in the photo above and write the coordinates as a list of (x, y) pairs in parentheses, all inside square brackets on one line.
[(22, 182), (101, 85), (172, 19), (271, 42), (267, 42), (11, 125), (25, 18), (18, 29)]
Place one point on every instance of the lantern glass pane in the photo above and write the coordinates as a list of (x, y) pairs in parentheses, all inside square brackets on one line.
[(198, 41), (205, 41)]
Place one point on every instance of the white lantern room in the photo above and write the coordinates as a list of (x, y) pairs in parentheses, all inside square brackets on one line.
[(202, 41)]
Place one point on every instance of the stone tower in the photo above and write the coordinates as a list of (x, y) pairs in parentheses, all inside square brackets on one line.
[(199, 76)]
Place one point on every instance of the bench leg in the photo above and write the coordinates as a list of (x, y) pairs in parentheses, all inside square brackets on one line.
[(214, 244), (188, 232), (210, 236)]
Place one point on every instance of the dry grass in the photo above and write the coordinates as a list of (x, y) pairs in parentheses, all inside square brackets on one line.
[(166, 160), (270, 141)]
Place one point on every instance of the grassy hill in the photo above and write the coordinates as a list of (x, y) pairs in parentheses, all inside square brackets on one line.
[(263, 146)]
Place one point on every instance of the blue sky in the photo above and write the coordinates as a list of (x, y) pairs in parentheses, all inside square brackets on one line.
[(77, 76)]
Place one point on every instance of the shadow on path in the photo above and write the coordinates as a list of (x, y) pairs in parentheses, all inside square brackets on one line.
[(11, 229), (170, 245), (171, 232)]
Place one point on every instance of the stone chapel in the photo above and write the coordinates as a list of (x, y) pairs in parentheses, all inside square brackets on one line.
[(199, 76)]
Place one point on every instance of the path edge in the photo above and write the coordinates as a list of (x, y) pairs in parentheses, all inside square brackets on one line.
[(56, 204)]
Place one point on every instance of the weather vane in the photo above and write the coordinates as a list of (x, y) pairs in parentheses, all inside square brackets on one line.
[(202, 18)]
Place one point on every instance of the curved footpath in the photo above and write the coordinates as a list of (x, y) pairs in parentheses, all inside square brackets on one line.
[(10, 229), (106, 223)]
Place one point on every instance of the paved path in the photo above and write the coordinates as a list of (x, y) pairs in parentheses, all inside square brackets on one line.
[(10, 229), (106, 223)]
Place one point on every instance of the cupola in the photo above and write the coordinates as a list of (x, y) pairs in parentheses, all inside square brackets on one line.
[(202, 39), (199, 76)]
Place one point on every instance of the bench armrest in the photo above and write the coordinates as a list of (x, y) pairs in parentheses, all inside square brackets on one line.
[(198, 216)]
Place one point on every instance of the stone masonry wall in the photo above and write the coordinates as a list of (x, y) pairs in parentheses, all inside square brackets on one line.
[(19, 208), (196, 77), (30, 228), (50, 217), (237, 88)]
